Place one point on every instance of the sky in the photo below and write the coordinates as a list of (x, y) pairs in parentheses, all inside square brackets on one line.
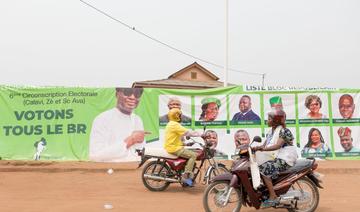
[(307, 43)]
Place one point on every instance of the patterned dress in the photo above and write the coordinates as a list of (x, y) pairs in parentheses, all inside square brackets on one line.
[(273, 168)]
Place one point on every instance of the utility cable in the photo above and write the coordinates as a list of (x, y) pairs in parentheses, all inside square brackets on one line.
[(165, 44)]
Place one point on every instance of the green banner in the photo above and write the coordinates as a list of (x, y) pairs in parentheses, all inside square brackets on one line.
[(61, 117), (108, 124)]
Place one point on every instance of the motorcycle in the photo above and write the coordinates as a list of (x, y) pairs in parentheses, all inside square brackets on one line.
[(297, 187), (167, 168)]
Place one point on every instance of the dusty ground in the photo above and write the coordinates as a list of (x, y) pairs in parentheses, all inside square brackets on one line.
[(84, 186)]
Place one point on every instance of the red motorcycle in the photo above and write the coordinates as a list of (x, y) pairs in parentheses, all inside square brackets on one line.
[(296, 187), (167, 168)]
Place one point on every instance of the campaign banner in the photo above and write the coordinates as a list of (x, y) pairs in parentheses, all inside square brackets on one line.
[(49, 123), (109, 124)]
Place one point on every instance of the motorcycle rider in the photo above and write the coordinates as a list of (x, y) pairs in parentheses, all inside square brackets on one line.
[(280, 138), (174, 143)]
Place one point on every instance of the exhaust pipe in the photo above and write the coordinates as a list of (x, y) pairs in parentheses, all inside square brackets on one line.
[(151, 177), (290, 197), (287, 200)]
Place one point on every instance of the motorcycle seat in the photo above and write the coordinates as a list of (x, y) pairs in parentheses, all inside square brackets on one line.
[(300, 164), (159, 153)]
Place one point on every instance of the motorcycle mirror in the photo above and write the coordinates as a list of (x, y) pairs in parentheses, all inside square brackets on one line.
[(243, 146), (257, 139)]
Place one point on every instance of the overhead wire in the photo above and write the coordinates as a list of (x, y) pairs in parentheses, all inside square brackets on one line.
[(165, 44)]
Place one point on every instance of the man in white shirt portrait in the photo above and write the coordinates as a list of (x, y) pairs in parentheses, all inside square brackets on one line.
[(116, 133)]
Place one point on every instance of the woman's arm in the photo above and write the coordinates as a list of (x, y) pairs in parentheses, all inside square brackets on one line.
[(280, 142)]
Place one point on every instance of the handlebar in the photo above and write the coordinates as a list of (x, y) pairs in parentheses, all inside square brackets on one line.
[(194, 142), (242, 149), (246, 147)]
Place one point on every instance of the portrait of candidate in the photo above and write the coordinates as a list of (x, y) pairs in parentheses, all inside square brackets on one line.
[(246, 113), (316, 143), (346, 139), (284, 102), (346, 106), (314, 103), (211, 139), (209, 109), (116, 133), (174, 102), (241, 137)]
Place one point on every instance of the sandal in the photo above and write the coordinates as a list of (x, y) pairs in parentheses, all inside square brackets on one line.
[(269, 203), (188, 182)]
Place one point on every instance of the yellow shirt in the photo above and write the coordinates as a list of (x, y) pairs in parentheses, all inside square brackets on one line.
[(173, 133)]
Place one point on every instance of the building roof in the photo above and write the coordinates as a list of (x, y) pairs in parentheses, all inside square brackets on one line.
[(176, 84), (194, 65), (181, 80)]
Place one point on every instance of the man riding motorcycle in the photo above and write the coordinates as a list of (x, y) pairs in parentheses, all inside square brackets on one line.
[(174, 143)]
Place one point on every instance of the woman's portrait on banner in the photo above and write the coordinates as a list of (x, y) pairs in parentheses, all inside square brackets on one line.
[(313, 103), (210, 110), (315, 142), (313, 108)]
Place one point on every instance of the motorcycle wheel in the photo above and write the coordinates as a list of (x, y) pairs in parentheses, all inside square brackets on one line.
[(215, 195), (220, 170), (310, 199), (158, 169)]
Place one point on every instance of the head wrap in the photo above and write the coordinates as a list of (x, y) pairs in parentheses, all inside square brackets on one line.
[(275, 100), (211, 99), (344, 131)]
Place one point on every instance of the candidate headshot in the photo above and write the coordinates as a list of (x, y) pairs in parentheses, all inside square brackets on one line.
[(209, 109), (314, 103), (246, 113), (128, 99), (316, 143), (346, 139), (241, 137), (174, 102), (346, 106), (211, 138)]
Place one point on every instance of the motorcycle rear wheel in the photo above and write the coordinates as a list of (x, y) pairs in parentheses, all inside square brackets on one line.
[(214, 196), (155, 168), (307, 203)]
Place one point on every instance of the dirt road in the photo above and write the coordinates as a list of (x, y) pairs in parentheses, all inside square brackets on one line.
[(87, 187)]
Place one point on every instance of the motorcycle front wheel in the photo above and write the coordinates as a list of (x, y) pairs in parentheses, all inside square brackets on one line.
[(215, 197), (309, 200), (220, 170), (156, 169)]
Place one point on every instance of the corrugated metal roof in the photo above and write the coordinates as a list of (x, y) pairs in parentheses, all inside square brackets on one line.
[(178, 83)]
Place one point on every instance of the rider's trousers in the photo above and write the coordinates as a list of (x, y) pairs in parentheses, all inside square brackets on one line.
[(185, 153)]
